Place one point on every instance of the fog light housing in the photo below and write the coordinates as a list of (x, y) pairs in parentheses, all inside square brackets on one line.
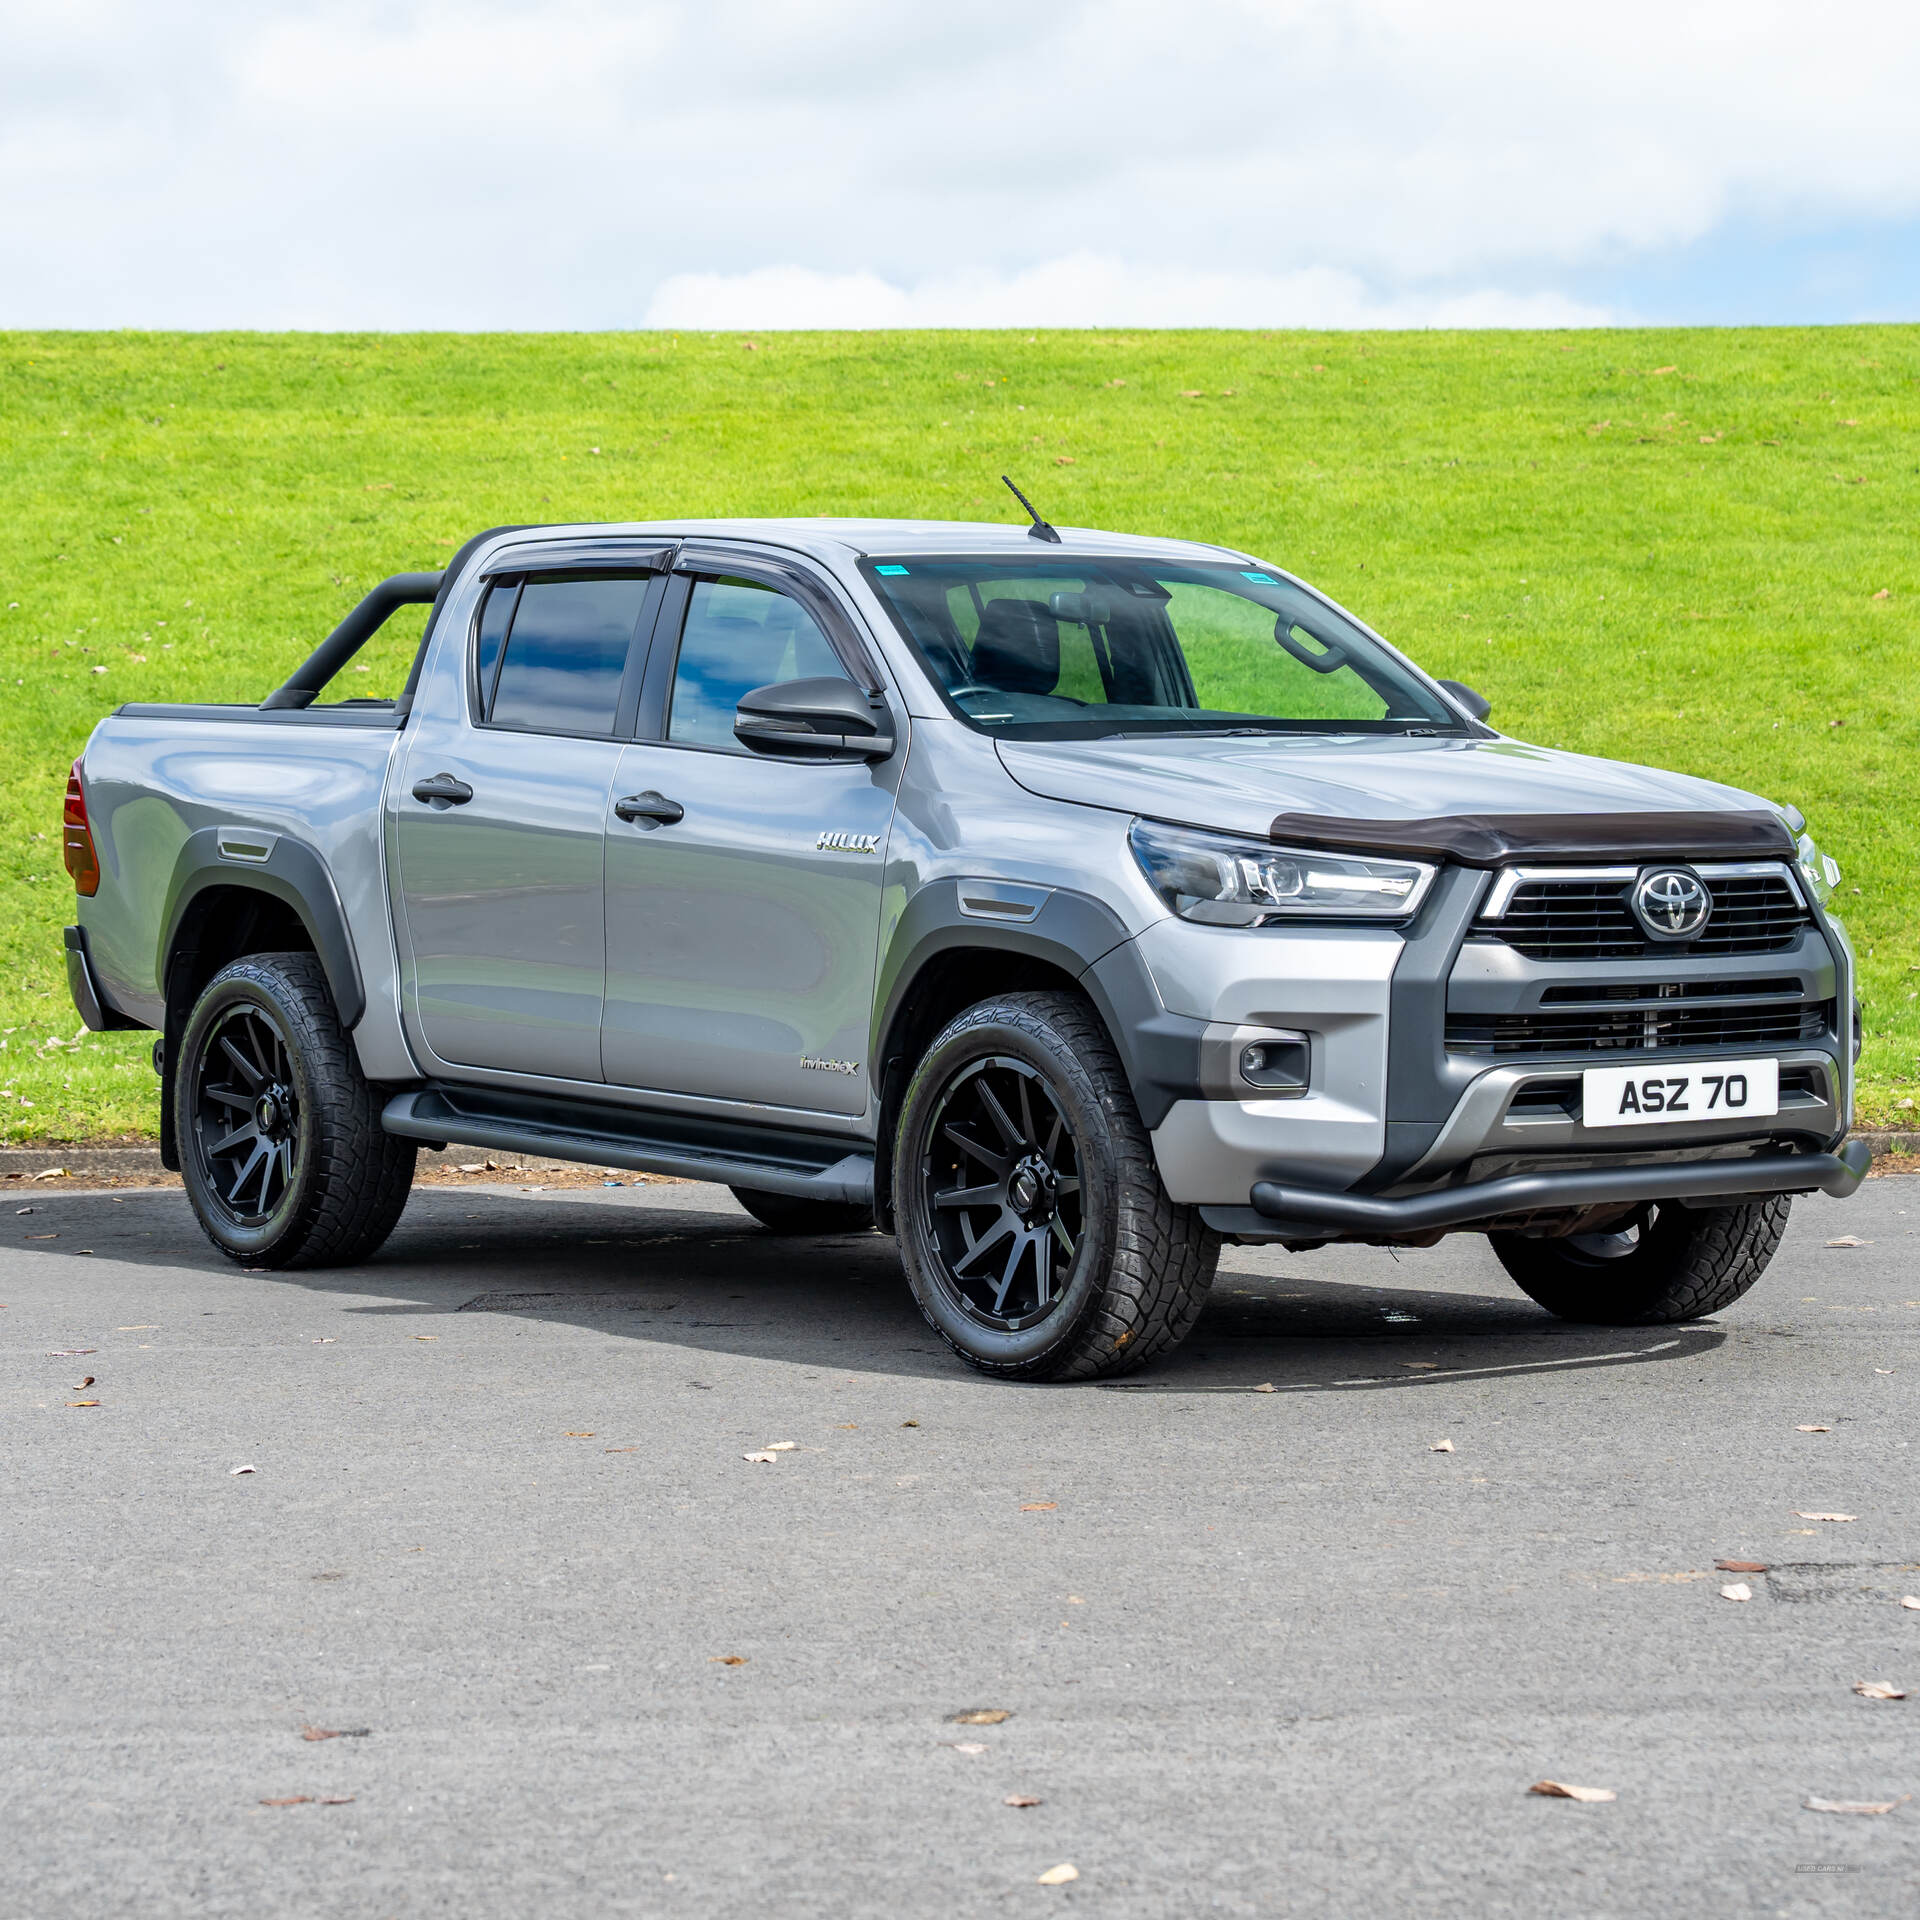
[(1281, 1064)]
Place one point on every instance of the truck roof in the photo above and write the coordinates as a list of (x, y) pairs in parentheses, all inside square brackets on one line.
[(828, 538)]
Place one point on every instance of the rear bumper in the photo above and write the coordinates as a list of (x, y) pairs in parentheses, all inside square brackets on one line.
[(1305, 1213)]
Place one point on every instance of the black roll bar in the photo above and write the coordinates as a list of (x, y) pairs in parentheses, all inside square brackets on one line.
[(353, 633)]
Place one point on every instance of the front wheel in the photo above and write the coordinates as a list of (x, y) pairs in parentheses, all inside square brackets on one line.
[(1667, 1263), (282, 1152), (1035, 1232)]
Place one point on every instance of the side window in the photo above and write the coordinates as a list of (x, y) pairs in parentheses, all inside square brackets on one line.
[(738, 636), (565, 656)]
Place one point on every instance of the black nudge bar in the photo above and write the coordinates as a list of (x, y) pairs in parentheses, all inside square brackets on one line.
[(1317, 1213), (353, 633)]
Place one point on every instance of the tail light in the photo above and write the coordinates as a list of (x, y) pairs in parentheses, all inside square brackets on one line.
[(77, 839)]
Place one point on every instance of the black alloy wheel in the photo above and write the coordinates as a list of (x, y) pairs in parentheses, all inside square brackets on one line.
[(281, 1147), (247, 1121), (1001, 1180), (1037, 1237)]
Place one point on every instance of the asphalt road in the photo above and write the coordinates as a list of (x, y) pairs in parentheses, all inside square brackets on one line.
[(1263, 1653)]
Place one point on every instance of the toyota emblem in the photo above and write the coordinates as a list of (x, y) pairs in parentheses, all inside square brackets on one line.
[(1671, 903)]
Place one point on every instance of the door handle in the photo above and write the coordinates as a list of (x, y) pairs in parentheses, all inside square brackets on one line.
[(650, 809), (445, 788)]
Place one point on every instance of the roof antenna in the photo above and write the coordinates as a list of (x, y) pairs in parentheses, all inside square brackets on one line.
[(1039, 530)]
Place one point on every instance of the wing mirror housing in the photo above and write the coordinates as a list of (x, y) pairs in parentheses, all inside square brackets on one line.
[(815, 718), (1476, 704)]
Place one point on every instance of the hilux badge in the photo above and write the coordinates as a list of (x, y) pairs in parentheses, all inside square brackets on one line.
[(847, 843), (1671, 903)]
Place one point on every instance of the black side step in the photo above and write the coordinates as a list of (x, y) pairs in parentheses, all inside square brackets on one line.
[(809, 1166)]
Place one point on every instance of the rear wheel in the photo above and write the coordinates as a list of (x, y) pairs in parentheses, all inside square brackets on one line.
[(784, 1213), (1036, 1235), (282, 1152), (1668, 1263)]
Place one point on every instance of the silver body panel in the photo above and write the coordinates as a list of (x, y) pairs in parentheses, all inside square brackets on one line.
[(730, 966)]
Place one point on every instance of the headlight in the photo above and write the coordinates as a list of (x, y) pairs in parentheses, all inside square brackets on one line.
[(1821, 873), (1225, 882)]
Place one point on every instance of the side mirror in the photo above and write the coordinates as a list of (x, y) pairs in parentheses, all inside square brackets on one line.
[(814, 717), (1477, 704)]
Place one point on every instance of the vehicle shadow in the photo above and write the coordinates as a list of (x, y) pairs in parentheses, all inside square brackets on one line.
[(682, 1267)]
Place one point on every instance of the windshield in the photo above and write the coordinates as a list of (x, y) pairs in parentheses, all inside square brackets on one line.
[(1047, 649)]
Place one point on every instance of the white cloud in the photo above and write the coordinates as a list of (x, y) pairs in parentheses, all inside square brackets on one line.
[(1085, 290), (586, 162)]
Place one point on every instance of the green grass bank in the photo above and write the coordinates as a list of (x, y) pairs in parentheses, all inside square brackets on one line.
[(1692, 548)]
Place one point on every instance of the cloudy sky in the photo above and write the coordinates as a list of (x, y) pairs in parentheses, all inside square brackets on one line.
[(764, 163)]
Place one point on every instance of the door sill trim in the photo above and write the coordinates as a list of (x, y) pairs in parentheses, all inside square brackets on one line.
[(773, 1160)]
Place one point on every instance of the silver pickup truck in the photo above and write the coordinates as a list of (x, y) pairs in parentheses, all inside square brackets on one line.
[(1062, 902)]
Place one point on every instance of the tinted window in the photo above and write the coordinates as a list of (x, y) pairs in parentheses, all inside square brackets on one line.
[(740, 635), (567, 652), (494, 618)]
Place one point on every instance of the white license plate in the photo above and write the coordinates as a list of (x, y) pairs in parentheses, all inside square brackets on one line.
[(1644, 1096)]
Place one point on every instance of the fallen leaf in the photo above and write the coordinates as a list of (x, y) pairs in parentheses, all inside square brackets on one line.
[(336, 1800), (80, 1386), (573, 1434), (765, 1458), (1879, 1690), (292, 1800), (83, 1403), (1040, 1506), (1911, 1601), (1192, 393), (619, 1449), (23, 1210), (1421, 1366), (980, 1716), (909, 1423), (1798, 1515), (1266, 1386), (1021, 1800), (472, 1166), (143, 1328), (51, 1173), (783, 1446), (1558, 1790), (70, 1353), (1660, 370), (1060, 1875), (1852, 1806), (233, 1470), (966, 1746), (1849, 1240), (1741, 1566), (1063, 459), (426, 1336), (335, 1733), (1813, 1429), (43, 1236), (728, 1659), (1441, 1446), (1737, 1590)]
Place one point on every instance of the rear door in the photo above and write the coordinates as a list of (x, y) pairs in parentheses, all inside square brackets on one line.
[(743, 930), (501, 827)]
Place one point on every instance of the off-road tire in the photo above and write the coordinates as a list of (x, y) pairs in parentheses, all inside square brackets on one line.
[(348, 1177), (1687, 1262), (1141, 1265), (786, 1213)]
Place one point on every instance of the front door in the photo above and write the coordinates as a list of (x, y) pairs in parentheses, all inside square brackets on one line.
[(741, 950), (501, 827)]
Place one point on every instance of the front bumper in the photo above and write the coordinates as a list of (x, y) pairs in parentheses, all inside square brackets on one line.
[(1304, 1213)]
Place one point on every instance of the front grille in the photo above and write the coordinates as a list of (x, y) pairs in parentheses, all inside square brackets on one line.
[(1652, 1029), (1590, 919)]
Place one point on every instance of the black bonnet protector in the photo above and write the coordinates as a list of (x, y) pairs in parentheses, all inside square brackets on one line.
[(1495, 839)]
